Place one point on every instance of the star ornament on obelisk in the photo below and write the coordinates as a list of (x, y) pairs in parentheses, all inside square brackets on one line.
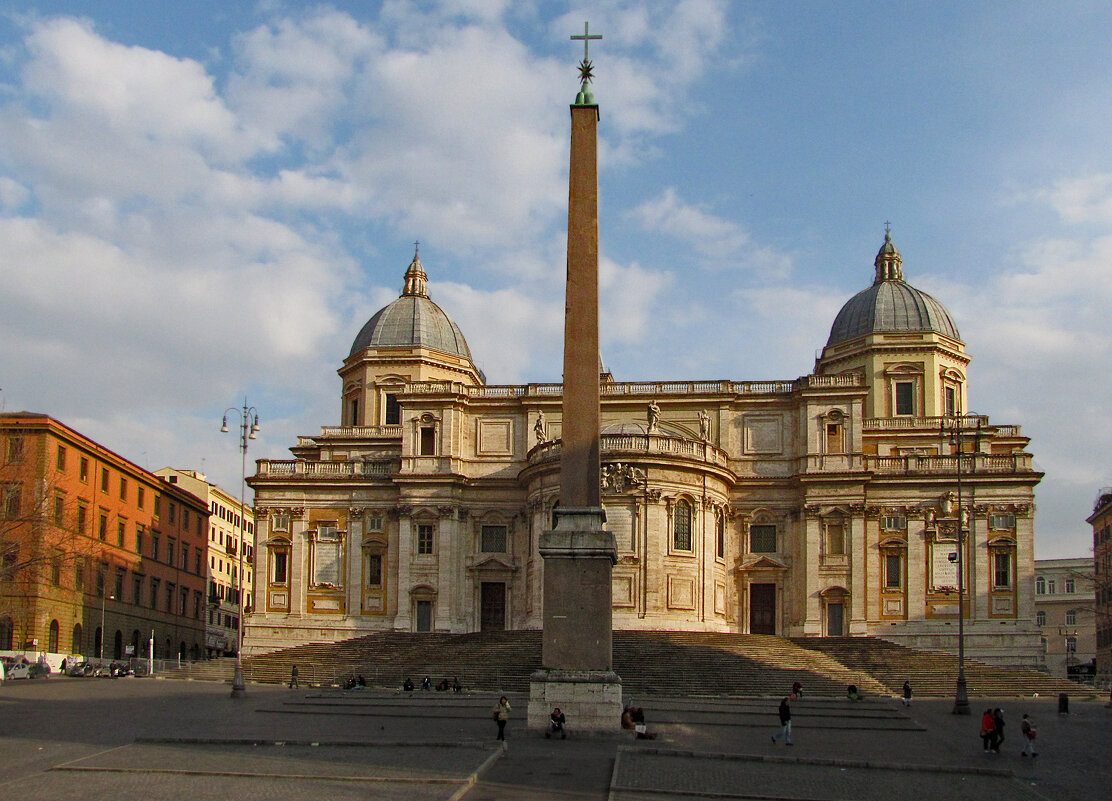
[(578, 553)]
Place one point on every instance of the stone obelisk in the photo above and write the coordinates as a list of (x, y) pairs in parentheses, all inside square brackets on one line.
[(578, 553)]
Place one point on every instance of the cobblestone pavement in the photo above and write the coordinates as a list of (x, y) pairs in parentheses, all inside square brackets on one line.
[(96, 738)]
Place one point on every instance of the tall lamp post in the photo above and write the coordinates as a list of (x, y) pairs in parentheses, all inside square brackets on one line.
[(957, 436), (249, 424), (104, 596)]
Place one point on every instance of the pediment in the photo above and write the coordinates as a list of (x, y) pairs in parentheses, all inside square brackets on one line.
[(492, 563), (763, 563)]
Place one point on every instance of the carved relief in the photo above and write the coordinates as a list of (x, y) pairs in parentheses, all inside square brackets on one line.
[(620, 477)]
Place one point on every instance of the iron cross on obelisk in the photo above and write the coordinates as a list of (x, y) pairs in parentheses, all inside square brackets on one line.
[(586, 37)]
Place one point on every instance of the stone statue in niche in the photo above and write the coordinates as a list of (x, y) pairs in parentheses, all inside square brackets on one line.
[(654, 416), (538, 429), (704, 425), (946, 503)]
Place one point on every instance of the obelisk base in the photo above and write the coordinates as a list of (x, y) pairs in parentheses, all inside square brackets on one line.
[(591, 700)]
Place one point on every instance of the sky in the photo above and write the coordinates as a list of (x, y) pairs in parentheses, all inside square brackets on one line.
[(201, 203)]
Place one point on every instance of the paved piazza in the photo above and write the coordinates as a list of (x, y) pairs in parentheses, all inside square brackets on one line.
[(99, 738)]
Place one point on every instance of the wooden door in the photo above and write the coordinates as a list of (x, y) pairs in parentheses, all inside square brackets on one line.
[(762, 608)]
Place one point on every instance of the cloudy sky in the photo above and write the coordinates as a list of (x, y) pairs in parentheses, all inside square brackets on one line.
[(205, 201)]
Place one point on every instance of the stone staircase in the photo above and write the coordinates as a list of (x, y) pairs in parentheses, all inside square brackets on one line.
[(934, 673), (211, 670), (654, 663)]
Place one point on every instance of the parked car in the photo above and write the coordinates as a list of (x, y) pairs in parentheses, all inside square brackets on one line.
[(18, 668)]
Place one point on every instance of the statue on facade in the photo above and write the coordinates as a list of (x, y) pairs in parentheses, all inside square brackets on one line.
[(704, 425), (538, 429), (654, 416), (946, 503)]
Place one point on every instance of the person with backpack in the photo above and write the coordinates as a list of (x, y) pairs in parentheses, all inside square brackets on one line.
[(1029, 732), (500, 714)]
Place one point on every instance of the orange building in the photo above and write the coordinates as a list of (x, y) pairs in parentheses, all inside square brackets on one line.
[(91, 542)]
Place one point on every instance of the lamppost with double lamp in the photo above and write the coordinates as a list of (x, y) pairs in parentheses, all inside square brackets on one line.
[(956, 436), (249, 424)]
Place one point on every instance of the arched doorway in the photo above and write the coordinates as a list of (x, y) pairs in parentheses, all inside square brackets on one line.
[(76, 644), (52, 638), (98, 642), (118, 645)]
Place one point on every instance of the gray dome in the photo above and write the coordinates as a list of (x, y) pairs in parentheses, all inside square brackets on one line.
[(890, 304), (412, 320)]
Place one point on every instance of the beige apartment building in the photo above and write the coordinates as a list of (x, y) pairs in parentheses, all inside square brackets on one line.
[(229, 531), (824, 505), (1101, 521), (1066, 616)]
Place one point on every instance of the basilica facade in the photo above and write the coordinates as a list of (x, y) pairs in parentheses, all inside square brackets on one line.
[(858, 500)]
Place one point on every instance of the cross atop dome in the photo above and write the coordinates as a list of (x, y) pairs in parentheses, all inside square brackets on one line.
[(416, 282), (889, 262)]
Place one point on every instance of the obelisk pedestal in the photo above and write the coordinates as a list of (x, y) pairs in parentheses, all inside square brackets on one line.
[(578, 553)]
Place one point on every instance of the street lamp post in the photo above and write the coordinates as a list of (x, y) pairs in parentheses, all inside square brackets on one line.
[(249, 424), (103, 597), (957, 435)]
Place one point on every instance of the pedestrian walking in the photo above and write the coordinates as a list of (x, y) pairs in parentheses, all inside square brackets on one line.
[(988, 731), (907, 694), (998, 721), (500, 714), (293, 677), (797, 690), (1029, 732), (785, 723)]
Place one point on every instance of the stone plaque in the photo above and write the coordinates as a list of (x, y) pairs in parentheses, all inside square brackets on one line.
[(944, 573), (326, 562), (495, 437), (681, 593), (619, 522), (762, 434)]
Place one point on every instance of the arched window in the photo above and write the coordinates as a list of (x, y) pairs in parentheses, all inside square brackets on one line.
[(720, 535), (1040, 618), (1040, 586), (681, 526), (1071, 617), (75, 646), (52, 638)]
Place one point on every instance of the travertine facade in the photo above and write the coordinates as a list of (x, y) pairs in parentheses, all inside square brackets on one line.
[(823, 505), (1101, 521)]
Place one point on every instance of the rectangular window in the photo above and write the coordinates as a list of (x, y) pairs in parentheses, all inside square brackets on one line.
[(140, 496), (494, 539), (374, 570), (951, 401), (170, 551), (15, 448), (720, 536), (424, 539), (428, 441), (1071, 645), (1002, 571), (1071, 586), (1040, 618), (184, 518), (139, 530), (1052, 586), (123, 488), (102, 528), (905, 397), (82, 518), (835, 539), (104, 479), (118, 590), (1006, 522), (79, 575), (154, 592), (56, 569), (173, 512), (895, 522), (834, 438), (762, 539), (280, 562), (59, 510), (893, 571), (12, 501), (393, 410), (136, 589), (60, 461), (83, 470), (154, 546), (1071, 617), (121, 528)]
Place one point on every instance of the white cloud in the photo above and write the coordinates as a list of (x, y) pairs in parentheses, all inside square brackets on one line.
[(722, 242)]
